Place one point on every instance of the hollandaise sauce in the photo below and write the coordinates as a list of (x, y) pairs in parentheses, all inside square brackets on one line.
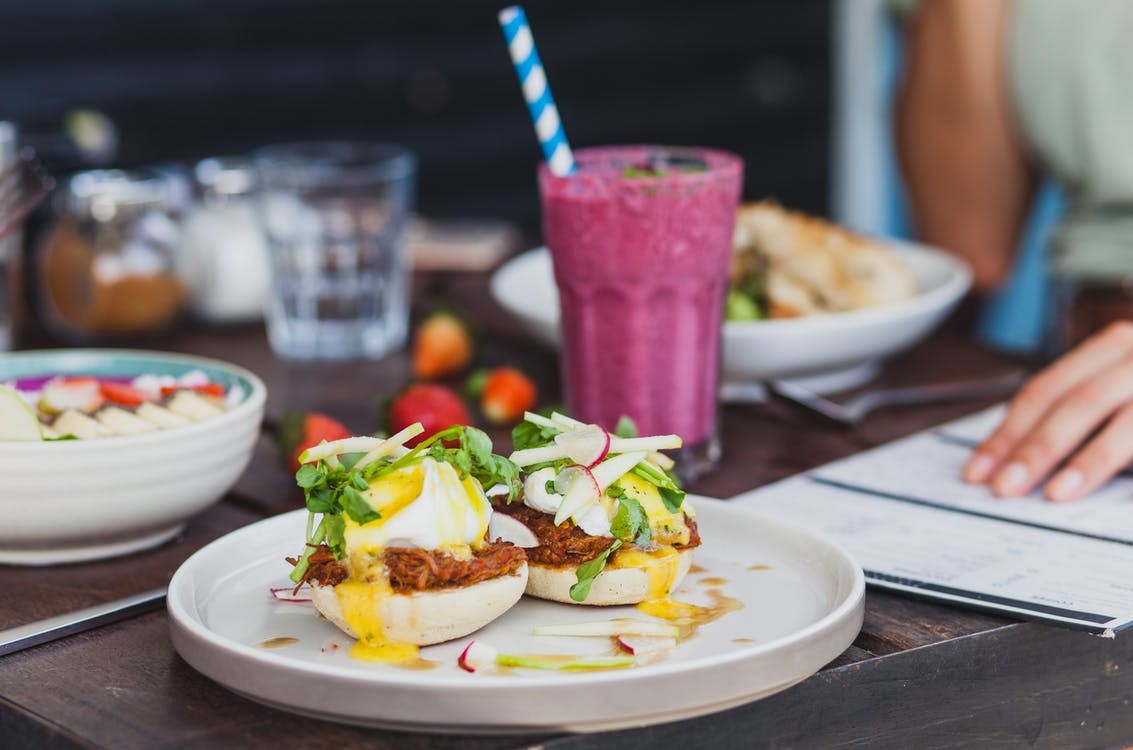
[(426, 505), (361, 607)]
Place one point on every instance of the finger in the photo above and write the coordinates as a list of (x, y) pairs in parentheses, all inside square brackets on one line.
[(1044, 390), (1097, 462), (1064, 427)]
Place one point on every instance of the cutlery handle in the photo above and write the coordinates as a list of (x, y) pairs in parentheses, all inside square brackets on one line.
[(53, 628), (940, 392)]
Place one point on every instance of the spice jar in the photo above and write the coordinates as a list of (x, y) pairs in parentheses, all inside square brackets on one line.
[(106, 268), (223, 255)]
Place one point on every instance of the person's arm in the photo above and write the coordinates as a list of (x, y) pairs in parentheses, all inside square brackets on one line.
[(964, 164)]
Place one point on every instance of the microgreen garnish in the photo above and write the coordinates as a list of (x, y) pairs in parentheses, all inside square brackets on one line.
[(530, 435), (589, 570), (630, 523), (626, 427), (333, 487)]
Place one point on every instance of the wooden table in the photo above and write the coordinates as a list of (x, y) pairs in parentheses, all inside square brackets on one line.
[(919, 675)]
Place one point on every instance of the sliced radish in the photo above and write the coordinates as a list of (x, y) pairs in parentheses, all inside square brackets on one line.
[(287, 594), (391, 444), (83, 394), (530, 456), (587, 445), (503, 526), (477, 655), (17, 420), (652, 443), (579, 489), (640, 645), (622, 626), (613, 469)]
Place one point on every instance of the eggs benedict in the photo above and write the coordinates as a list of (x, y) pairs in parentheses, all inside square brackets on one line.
[(400, 556), (612, 525)]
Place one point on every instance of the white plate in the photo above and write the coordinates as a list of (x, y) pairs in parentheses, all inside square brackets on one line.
[(800, 612), (823, 352)]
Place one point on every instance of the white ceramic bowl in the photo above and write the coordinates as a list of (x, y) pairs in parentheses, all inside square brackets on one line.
[(79, 500), (822, 352)]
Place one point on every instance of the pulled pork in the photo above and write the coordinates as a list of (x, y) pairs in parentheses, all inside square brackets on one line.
[(568, 545), (423, 570)]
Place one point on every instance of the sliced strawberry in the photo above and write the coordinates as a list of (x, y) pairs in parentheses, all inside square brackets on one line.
[(507, 394), (443, 346), (434, 406), (300, 431), (122, 394), (208, 389)]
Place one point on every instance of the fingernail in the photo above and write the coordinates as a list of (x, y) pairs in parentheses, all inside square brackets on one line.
[(1065, 486), (979, 468), (1012, 480)]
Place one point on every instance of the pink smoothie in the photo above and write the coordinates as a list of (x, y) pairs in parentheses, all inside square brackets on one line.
[(641, 264)]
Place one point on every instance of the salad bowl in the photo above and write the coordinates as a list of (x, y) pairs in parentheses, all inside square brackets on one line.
[(72, 500)]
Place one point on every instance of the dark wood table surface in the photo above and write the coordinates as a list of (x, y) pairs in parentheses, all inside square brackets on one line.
[(919, 675)]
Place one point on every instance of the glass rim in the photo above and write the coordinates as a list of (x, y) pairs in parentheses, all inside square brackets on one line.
[(727, 164), (345, 161)]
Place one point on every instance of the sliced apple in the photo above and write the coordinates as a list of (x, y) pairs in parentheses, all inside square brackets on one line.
[(651, 443), (579, 489), (567, 662), (542, 454), (18, 422), (586, 446), (613, 469), (563, 422), (391, 444), (503, 526)]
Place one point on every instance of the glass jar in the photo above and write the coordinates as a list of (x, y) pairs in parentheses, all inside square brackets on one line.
[(106, 268), (223, 255)]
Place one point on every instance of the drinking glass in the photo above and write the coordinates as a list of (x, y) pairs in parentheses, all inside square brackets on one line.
[(641, 241), (335, 217)]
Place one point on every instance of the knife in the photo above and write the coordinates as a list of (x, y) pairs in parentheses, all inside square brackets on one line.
[(53, 628)]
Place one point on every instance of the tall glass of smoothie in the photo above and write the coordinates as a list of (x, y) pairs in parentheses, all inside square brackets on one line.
[(641, 240)]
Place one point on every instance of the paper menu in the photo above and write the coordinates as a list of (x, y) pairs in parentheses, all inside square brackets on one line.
[(914, 526)]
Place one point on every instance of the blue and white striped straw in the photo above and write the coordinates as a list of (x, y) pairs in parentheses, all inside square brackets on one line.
[(533, 80)]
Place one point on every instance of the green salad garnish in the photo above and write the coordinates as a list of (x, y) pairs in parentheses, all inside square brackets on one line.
[(333, 487)]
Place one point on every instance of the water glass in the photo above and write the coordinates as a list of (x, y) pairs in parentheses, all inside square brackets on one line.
[(335, 216)]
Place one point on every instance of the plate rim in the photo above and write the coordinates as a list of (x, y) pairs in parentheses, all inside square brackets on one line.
[(841, 612)]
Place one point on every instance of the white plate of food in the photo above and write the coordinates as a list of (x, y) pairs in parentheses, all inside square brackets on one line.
[(106, 452), (851, 301), (801, 597)]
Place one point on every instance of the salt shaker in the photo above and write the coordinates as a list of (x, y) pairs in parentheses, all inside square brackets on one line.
[(223, 256)]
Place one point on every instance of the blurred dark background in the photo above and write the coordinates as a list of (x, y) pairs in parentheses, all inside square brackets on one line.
[(183, 79)]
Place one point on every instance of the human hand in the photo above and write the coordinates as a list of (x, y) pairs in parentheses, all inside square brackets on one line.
[(1057, 415)]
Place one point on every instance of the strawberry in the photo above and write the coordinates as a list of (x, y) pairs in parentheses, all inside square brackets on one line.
[(443, 346), (122, 394), (434, 406), (506, 395), (301, 431)]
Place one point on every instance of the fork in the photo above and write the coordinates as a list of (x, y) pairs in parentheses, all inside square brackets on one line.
[(851, 413), (23, 184)]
